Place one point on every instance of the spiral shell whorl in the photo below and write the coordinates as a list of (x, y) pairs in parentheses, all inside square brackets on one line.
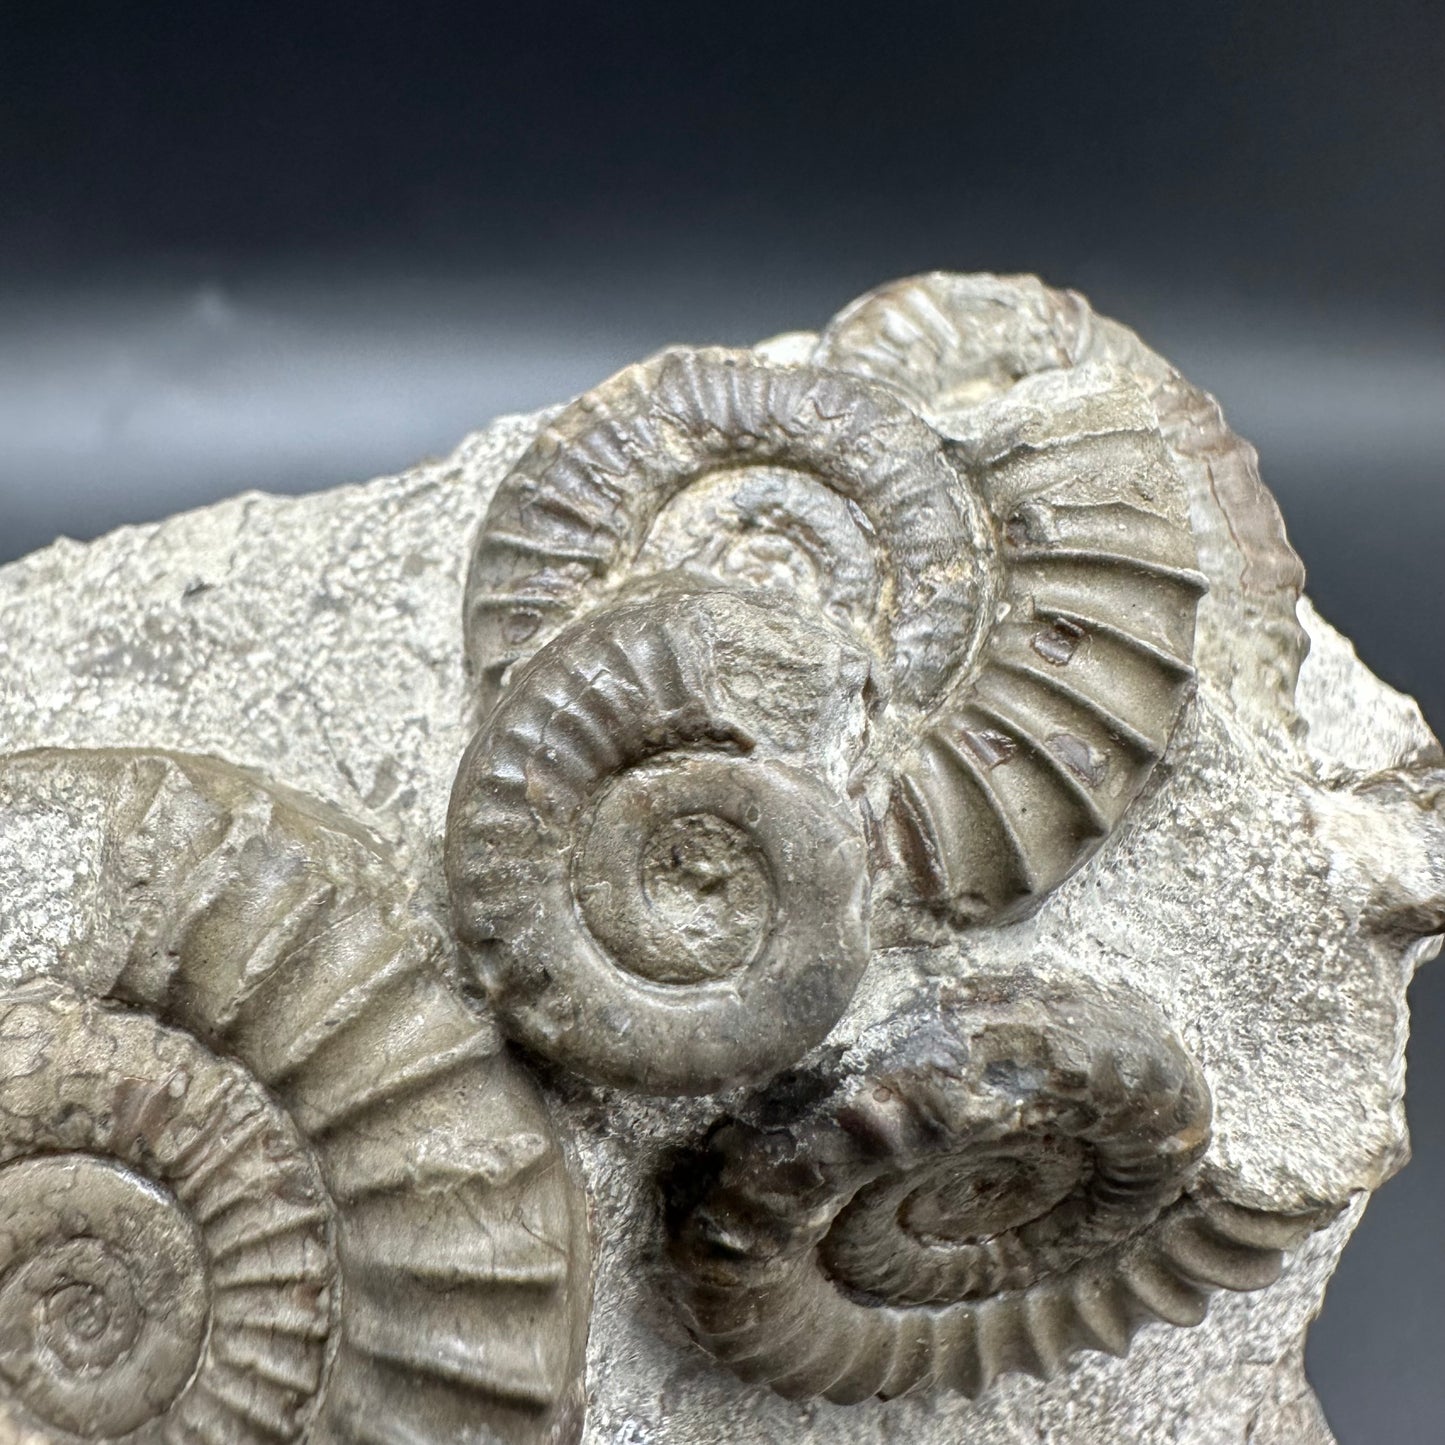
[(173, 1202), (1012, 1185), (652, 892), (949, 342), (266, 1038), (570, 518)]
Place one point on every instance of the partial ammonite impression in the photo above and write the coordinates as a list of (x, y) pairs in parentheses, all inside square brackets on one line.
[(952, 343), (618, 468), (1012, 1183), (1021, 611), (262, 1175)]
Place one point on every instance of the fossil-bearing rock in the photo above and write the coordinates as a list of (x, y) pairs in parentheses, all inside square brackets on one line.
[(834, 891)]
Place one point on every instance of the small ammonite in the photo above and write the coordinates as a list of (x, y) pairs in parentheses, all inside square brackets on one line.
[(1010, 1184), (128, 1242), (263, 1176), (1023, 607), (655, 886), (839, 458)]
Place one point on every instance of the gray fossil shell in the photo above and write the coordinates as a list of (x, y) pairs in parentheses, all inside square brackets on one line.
[(263, 1176), (1031, 761), (1015, 1183), (949, 341), (568, 523), (654, 891)]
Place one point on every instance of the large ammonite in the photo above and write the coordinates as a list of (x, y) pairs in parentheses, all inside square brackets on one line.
[(1013, 1183), (1026, 605), (263, 1177)]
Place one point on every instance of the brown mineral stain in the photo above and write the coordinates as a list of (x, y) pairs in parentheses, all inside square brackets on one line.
[(1076, 755), (1058, 642), (989, 746)]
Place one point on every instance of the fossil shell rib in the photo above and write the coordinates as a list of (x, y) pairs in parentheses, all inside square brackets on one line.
[(650, 896), (272, 1179), (126, 1237), (1004, 1191), (1079, 688), (949, 341), (574, 512)]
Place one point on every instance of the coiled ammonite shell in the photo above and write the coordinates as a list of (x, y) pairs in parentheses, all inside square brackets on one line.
[(572, 519), (659, 894), (262, 1175), (950, 342), (1022, 603), (1011, 1184)]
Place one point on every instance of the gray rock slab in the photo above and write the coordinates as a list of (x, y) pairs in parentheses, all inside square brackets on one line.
[(1272, 891)]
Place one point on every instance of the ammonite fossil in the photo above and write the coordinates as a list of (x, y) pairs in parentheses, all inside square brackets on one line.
[(950, 341), (710, 917), (1024, 604), (1011, 1184), (262, 1175)]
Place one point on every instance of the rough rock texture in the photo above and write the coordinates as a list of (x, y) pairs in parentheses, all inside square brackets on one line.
[(1268, 893)]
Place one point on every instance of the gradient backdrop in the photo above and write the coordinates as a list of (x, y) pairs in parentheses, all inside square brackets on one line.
[(288, 246)]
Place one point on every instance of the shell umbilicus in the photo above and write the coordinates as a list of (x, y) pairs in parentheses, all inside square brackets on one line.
[(654, 891)]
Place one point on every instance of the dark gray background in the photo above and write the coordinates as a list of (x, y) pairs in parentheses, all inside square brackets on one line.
[(255, 245)]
